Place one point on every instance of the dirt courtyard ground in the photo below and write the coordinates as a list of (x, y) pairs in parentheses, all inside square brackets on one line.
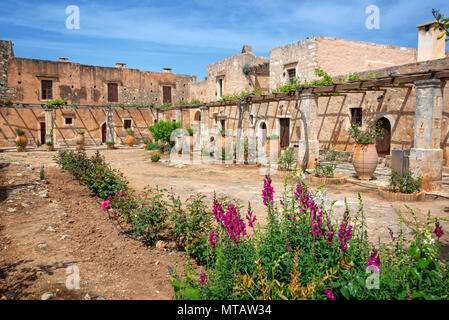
[(115, 266)]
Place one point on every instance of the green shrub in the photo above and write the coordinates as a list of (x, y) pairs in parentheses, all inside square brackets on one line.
[(20, 132), (162, 130), (406, 183), (20, 143), (110, 143), (49, 143), (287, 159), (153, 146)]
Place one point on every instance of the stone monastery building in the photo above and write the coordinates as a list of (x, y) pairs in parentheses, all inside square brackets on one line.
[(107, 101)]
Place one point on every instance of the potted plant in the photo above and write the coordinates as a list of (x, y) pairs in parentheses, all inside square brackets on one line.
[(49, 146), (21, 138), (405, 187), (272, 140), (146, 142), (110, 144), (79, 140), (20, 146), (190, 132), (365, 154), (130, 138), (324, 174)]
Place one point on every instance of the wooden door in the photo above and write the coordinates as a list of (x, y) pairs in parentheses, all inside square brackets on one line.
[(112, 92), (383, 146), (103, 133), (285, 132), (166, 94), (43, 141)]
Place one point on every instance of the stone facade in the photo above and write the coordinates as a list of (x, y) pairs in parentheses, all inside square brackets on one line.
[(233, 80), (334, 56)]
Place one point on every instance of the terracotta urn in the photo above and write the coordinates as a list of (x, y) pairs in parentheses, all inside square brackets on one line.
[(20, 148), (79, 139), (269, 143), (129, 140), (22, 139), (50, 148), (365, 160)]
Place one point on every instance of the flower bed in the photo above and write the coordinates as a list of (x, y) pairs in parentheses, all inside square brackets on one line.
[(398, 196), (336, 179), (301, 253)]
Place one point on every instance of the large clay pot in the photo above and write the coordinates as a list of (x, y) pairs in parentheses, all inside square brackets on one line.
[(129, 140), (20, 148), (365, 160), (79, 140), (50, 148), (23, 140), (269, 144)]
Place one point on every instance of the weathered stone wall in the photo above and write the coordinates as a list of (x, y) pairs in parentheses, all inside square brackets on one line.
[(334, 56), (6, 53), (90, 121), (300, 55), (340, 57), (87, 85), (234, 80)]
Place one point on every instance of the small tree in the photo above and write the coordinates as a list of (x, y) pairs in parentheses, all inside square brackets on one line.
[(162, 130), (443, 24)]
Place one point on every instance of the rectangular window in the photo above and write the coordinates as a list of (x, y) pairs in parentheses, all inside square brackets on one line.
[(223, 124), (112, 92), (126, 124), (47, 89), (166, 91), (291, 75), (356, 116), (219, 88), (68, 120)]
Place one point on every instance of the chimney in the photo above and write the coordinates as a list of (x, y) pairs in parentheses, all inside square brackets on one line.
[(63, 59), (167, 70), (429, 46), (247, 49), (120, 65)]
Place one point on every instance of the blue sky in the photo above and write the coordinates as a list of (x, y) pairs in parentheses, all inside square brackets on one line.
[(188, 35)]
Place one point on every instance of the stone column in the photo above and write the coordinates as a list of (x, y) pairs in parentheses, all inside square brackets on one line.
[(179, 115), (110, 125), (204, 126), (49, 123), (426, 156), (309, 106), (242, 131)]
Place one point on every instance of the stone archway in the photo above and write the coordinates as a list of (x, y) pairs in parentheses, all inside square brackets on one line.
[(262, 133), (103, 133), (384, 145)]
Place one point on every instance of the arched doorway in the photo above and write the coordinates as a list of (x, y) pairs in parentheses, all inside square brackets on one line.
[(197, 122), (383, 146), (103, 133), (263, 133)]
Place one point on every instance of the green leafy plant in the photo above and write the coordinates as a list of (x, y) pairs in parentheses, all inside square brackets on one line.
[(372, 133), (153, 146), (20, 132), (443, 24), (161, 130), (110, 143), (405, 183), (246, 69), (42, 174), (272, 137), (130, 132), (287, 159), (20, 143), (325, 171), (81, 132), (190, 131), (49, 143), (57, 103)]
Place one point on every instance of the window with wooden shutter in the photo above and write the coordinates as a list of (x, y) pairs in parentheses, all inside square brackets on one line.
[(112, 92), (47, 89), (166, 94), (291, 75)]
